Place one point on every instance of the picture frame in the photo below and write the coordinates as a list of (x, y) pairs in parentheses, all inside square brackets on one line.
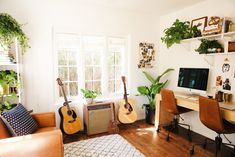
[(200, 22)]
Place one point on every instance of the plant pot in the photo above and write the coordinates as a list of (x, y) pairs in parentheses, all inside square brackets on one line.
[(149, 114), (89, 100)]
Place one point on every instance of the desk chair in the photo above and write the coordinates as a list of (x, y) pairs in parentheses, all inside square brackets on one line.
[(169, 104), (210, 116)]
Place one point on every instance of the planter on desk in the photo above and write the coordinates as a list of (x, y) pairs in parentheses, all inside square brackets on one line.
[(149, 114)]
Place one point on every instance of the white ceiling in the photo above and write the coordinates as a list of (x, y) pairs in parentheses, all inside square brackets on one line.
[(148, 6)]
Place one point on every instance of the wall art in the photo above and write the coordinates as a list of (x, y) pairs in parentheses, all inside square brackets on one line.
[(147, 55)]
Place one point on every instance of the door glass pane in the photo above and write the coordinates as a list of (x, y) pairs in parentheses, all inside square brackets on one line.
[(111, 86), (73, 74), (97, 73), (72, 57), (88, 73), (73, 88), (88, 85), (96, 59), (117, 58), (63, 73), (111, 71), (62, 57), (97, 85), (88, 60), (118, 85)]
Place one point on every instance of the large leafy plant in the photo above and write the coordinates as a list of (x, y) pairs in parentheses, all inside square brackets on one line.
[(90, 93), (177, 32), (11, 29), (209, 46), (155, 87)]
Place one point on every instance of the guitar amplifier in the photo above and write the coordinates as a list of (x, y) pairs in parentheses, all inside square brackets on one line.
[(97, 117)]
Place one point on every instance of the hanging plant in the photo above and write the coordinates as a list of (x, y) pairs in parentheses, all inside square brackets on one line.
[(177, 32), (209, 46), (11, 29)]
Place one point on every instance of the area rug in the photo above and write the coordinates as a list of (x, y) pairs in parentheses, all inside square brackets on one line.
[(104, 146)]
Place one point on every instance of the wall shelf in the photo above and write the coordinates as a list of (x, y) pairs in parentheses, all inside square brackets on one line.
[(218, 36), (219, 54)]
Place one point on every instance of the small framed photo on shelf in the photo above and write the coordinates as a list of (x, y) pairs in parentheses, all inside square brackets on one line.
[(201, 23)]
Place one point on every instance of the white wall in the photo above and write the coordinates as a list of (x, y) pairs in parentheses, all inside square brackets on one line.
[(184, 56), (41, 16)]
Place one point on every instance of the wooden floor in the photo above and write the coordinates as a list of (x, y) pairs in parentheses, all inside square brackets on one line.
[(152, 144)]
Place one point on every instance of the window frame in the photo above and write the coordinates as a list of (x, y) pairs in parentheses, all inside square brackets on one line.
[(81, 66)]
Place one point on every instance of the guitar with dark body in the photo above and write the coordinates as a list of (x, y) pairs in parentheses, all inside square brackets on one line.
[(70, 122)]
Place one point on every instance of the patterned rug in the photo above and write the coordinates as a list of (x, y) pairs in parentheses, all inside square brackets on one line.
[(104, 146)]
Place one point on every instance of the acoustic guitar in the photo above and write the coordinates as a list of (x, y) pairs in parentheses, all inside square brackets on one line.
[(70, 122), (126, 113)]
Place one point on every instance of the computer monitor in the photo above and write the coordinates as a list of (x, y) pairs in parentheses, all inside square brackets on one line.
[(193, 78)]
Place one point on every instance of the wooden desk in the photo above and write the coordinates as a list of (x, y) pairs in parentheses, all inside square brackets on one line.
[(163, 117)]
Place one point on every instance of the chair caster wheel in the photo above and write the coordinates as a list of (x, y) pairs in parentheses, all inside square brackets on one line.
[(191, 152), (167, 138)]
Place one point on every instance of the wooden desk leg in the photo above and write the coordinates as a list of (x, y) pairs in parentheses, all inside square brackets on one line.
[(161, 116)]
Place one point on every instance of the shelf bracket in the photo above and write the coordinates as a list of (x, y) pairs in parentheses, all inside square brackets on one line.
[(209, 61)]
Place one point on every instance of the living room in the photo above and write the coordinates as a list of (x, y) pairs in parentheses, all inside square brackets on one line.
[(104, 26)]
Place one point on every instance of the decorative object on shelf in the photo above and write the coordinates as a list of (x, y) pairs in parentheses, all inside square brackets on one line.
[(219, 96), (8, 89), (227, 84), (227, 97), (231, 46), (200, 23), (219, 81), (11, 29), (8, 81), (226, 66), (90, 95), (226, 21), (209, 46), (147, 54), (215, 26), (177, 32)]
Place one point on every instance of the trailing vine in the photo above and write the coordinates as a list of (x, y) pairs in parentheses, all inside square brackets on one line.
[(10, 29)]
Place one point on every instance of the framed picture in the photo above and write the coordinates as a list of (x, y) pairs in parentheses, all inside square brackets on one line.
[(147, 55), (201, 23)]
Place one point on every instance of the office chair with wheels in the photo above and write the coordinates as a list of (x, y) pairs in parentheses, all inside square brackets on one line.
[(169, 104), (210, 116)]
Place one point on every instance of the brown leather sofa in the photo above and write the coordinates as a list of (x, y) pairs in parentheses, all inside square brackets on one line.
[(45, 142)]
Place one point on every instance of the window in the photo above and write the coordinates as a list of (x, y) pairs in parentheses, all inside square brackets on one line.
[(91, 62)]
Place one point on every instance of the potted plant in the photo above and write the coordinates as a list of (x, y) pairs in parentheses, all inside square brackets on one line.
[(150, 92), (5, 102), (11, 29), (90, 95), (209, 46), (8, 81), (179, 31)]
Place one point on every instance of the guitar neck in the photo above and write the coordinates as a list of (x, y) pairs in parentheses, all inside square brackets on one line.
[(125, 93), (65, 98)]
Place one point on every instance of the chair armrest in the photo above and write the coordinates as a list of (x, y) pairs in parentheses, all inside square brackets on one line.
[(48, 144), (45, 119)]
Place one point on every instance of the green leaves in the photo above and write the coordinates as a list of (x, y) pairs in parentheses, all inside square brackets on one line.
[(10, 29), (155, 87), (90, 93), (177, 32), (209, 44)]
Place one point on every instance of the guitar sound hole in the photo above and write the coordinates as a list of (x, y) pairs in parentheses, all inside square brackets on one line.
[(128, 107), (69, 112)]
